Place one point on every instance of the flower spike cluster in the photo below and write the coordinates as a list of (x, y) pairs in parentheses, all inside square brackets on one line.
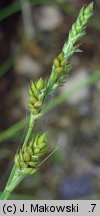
[(78, 30), (36, 95), (61, 66), (27, 158)]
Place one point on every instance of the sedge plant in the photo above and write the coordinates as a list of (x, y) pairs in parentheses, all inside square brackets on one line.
[(27, 158)]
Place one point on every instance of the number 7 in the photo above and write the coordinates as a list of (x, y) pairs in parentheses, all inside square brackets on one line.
[(94, 205)]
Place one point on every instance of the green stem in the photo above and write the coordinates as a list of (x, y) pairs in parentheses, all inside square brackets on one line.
[(5, 195), (14, 178), (11, 174), (30, 128)]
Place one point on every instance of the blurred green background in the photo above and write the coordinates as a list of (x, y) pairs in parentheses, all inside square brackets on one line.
[(32, 33)]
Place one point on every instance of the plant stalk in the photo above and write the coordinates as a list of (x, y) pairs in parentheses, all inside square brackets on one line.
[(12, 183)]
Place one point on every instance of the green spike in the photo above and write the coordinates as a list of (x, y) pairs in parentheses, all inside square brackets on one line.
[(42, 138), (39, 84), (32, 99), (26, 156), (63, 62), (36, 150), (56, 63), (41, 145), (32, 164), (89, 10), (35, 90), (61, 56), (24, 165), (37, 104), (29, 149), (59, 70), (34, 157)]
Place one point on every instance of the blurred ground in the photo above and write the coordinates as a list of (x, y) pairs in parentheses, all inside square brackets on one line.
[(29, 41)]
